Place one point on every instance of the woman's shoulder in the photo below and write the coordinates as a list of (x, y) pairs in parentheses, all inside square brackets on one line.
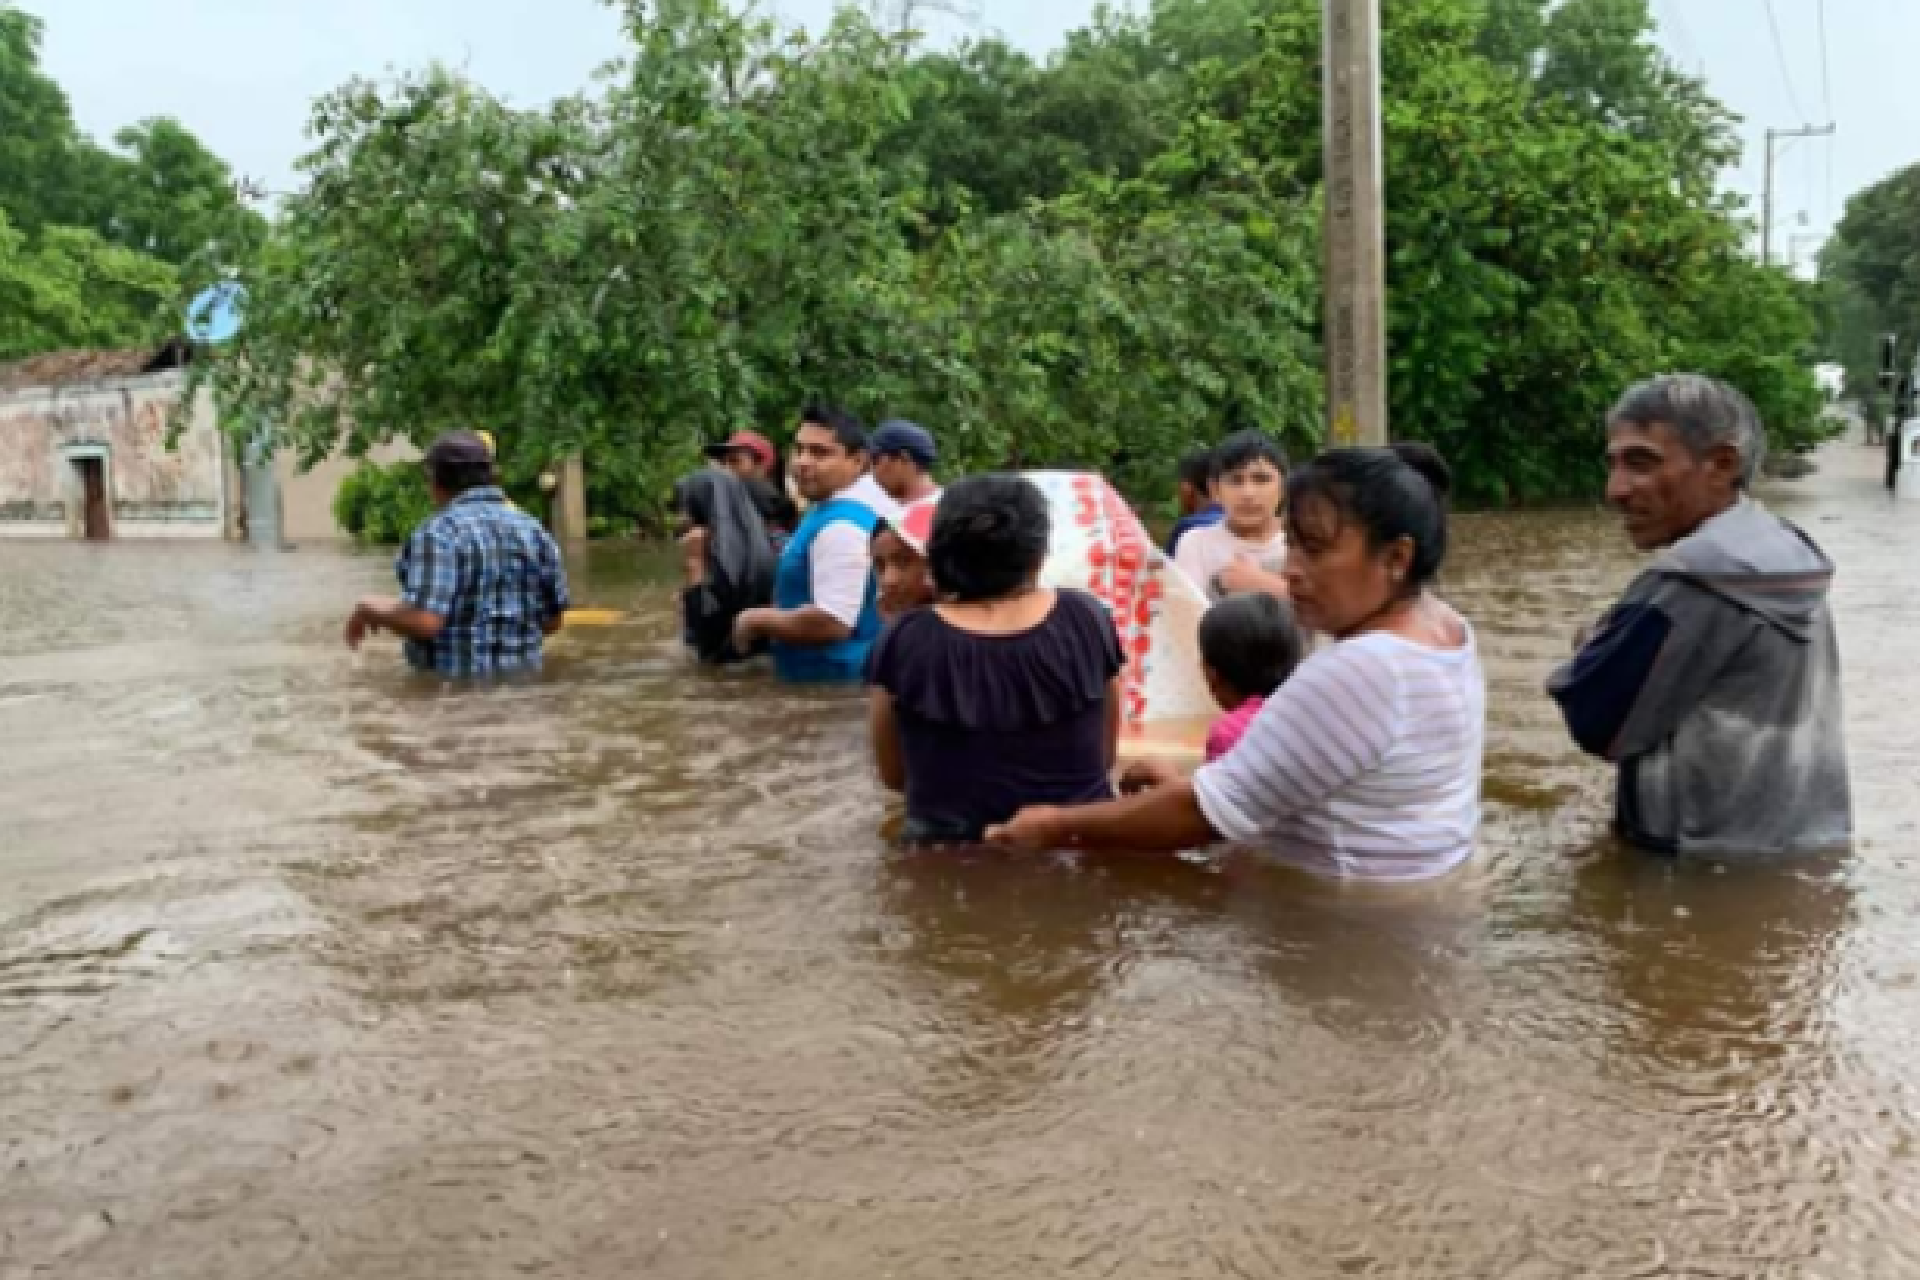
[(1081, 604)]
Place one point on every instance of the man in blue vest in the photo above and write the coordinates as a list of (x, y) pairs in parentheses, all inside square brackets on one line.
[(825, 614)]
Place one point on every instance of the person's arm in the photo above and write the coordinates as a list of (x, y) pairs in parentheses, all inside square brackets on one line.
[(1644, 668), (429, 581), (1116, 710), (383, 613), (809, 627), (554, 597), (1165, 820), (840, 563), (884, 728), (1332, 722)]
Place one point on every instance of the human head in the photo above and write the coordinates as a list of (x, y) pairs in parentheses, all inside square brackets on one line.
[(904, 455), (989, 538), (456, 462), (747, 454), (1366, 528), (1249, 644), (900, 559), (1680, 450), (829, 454), (1196, 481), (1250, 481)]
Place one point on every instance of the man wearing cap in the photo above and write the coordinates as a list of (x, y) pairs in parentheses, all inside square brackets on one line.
[(904, 456), (825, 614), (747, 454), (481, 585)]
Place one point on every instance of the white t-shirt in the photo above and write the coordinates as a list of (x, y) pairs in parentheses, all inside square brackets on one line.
[(839, 563), (1203, 553), (1364, 765), (867, 492)]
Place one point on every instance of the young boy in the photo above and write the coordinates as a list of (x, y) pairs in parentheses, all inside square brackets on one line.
[(1197, 506), (1247, 551), (1249, 646), (900, 559)]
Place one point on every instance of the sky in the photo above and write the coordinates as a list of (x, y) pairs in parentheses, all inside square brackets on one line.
[(243, 73)]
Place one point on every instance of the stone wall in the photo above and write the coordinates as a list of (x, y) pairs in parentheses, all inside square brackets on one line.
[(152, 492)]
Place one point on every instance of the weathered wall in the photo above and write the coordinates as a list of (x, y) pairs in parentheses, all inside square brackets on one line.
[(152, 492), (306, 498)]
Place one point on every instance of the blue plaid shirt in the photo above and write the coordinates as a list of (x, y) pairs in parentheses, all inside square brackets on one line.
[(493, 574)]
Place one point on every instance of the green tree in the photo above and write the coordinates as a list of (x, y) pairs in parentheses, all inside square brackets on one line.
[(1097, 259), (173, 199), (39, 145), (98, 248), (69, 288), (1871, 270)]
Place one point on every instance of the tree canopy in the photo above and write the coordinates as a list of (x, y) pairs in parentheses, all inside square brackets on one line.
[(99, 246), (1096, 258), (1871, 273)]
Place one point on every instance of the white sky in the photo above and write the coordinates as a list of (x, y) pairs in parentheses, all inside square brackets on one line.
[(242, 73)]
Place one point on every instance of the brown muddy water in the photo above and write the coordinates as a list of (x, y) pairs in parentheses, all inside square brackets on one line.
[(308, 970)]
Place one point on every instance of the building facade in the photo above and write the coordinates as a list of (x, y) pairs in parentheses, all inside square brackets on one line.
[(84, 450)]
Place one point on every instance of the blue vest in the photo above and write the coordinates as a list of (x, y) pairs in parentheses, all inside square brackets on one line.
[(793, 589)]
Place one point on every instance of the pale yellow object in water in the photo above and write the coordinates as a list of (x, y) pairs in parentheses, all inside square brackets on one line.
[(594, 617), (1178, 742)]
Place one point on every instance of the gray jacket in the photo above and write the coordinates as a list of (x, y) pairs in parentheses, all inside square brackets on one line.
[(1715, 685)]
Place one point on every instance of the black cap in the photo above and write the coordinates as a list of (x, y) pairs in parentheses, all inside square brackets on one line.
[(910, 438), (461, 457)]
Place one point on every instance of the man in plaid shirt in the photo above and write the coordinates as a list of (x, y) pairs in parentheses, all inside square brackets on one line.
[(481, 585)]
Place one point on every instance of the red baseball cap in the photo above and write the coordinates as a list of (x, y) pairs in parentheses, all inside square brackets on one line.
[(751, 441), (914, 524)]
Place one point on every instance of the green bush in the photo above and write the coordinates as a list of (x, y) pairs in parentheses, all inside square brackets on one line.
[(382, 505)]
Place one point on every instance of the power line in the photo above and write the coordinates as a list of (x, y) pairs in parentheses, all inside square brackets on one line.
[(1780, 55), (1688, 45), (1826, 65)]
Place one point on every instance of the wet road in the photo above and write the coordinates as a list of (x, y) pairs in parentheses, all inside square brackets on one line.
[(307, 970)]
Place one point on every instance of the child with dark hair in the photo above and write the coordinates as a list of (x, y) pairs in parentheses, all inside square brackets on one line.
[(1198, 508), (1249, 645), (1247, 550)]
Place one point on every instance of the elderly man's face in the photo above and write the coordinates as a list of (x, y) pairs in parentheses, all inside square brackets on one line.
[(1662, 489)]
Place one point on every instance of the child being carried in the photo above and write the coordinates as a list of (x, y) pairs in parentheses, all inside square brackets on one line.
[(1249, 646)]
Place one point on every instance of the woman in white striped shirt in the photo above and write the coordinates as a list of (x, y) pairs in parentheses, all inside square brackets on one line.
[(1366, 764)]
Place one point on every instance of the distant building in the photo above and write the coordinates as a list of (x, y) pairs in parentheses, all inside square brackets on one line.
[(83, 449), (83, 454)]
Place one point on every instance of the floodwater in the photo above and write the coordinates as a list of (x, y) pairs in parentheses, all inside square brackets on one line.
[(309, 970)]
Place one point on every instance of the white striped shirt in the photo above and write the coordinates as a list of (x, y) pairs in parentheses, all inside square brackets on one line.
[(1364, 765)]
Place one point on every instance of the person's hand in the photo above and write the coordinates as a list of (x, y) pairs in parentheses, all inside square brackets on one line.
[(1148, 775), (362, 622), (746, 630), (1245, 574), (1036, 828), (693, 554)]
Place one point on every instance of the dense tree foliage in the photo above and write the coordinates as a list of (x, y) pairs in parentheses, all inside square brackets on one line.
[(1870, 271), (1096, 258), (97, 246)]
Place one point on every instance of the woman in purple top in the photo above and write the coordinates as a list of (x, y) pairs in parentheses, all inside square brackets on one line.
[(1002, 694)]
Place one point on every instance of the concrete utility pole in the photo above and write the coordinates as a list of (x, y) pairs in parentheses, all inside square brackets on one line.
[(1356, 285), (1766, 206)]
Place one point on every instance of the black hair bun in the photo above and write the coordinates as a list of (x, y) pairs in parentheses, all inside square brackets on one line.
[(1426, 460)]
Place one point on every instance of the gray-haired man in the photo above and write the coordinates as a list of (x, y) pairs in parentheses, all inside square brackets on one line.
[(1714, 683)]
